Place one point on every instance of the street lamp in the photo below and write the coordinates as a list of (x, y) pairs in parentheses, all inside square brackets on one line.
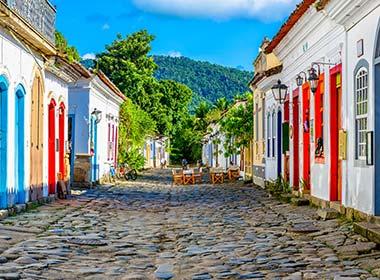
[(97, 114), (314, 78), (314, 74), (300, 80), (280, 92)]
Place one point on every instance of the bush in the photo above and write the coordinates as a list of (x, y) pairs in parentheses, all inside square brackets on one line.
[(135, 159)]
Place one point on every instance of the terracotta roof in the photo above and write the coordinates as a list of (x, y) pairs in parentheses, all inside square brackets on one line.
[(288, 25), (110, 84)]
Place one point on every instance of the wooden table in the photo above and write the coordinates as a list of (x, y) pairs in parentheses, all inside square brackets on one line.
[(217, 176)]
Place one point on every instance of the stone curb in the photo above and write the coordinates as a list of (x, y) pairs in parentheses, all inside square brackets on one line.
[(20, 208)]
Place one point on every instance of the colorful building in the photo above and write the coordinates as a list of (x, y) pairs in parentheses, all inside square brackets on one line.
[(94, 103), (32, 78), (329, 55), (156, 152)]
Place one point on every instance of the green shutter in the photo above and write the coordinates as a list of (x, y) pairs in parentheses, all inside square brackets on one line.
[(285, 138)]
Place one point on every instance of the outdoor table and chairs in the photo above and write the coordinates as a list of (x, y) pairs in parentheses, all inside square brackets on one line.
[(217, 175), (193, 176)]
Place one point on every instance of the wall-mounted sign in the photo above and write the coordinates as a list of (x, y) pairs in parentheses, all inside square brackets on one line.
[(369, 147), (360, 48), (342, 145)]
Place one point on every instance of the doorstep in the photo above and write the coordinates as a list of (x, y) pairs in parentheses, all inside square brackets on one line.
[(368, 230)]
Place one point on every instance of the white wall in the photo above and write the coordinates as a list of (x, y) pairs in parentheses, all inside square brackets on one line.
[(315, 38), (359, 192)]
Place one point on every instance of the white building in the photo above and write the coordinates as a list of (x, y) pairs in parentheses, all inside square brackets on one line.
[(333, 128), (156, 151), (94, 103), (31, 76)]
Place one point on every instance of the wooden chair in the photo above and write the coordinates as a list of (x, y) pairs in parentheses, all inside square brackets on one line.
[(198, 175), (233, 173), (177, 176), (188, 177), (217, 176)]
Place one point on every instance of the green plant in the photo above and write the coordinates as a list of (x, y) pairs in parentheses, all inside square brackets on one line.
[(279, 186), (135, 159)]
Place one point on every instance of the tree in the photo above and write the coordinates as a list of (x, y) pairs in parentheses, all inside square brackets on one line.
[(237, 126), (63, 47), (135, 126), (222, 104)]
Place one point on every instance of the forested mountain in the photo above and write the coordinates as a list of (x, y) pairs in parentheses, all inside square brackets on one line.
[(208, 81)]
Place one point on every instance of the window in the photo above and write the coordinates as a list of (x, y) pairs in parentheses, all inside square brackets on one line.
[(319, 121), (361, 112), (274, 134), (257, 122), (268, 136)]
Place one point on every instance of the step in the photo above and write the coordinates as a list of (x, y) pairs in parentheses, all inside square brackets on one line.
[(300, 201), (368, 230), (328, 213)]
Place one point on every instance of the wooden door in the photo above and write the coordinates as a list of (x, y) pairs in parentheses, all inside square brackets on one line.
[(36, 140), (295, 132), (335, 126), (306, 134), (52, 149), (61, 141)]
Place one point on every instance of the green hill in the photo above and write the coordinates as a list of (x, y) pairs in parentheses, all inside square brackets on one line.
[(208, 81)]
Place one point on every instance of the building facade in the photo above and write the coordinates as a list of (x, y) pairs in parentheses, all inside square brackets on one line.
[(94, 103), (329, 54), (31, 77)]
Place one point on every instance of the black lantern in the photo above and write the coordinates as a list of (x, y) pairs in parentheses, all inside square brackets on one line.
[(280, 92), (97, 114), (299, 79), (313, 79)]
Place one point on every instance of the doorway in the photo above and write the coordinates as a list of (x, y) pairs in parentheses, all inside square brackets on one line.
[(52, 148), (377, 120), (61, 141), (295, 133), (36, 140), (3, 140), (279, 144), (335, 127), (306, 135), (19, 155)]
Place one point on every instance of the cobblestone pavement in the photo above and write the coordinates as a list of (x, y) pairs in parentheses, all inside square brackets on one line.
[(150, 229)]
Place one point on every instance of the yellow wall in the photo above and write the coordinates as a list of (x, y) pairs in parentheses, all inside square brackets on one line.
[(258, 131)]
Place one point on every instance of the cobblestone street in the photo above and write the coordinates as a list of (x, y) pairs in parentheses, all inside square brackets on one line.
[(149, 229)]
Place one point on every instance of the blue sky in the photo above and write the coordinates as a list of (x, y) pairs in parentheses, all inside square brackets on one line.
[(226, 32)]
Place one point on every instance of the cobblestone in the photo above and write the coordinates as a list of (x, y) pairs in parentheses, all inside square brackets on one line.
[(149, 229)]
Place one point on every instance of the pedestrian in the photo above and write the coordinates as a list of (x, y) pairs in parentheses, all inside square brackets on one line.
[(184, 164)]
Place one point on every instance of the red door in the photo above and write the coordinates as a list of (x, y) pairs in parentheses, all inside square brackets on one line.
[(335, 126), (296, 177), (306, 134), (62, 141), (51, 142)]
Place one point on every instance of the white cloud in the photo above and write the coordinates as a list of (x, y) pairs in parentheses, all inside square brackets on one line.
[(219, 9), (106, 26), (89, 56), (174, 54)]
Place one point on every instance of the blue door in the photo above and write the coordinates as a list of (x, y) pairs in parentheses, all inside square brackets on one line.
[(3, 140), (279, 143), (71, 139), (19, 156), (94, 140), (377, 122)]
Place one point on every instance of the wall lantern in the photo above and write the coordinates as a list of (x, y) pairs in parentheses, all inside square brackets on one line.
[(97, 114), (314, 75), (300, 80), (280, 92)]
